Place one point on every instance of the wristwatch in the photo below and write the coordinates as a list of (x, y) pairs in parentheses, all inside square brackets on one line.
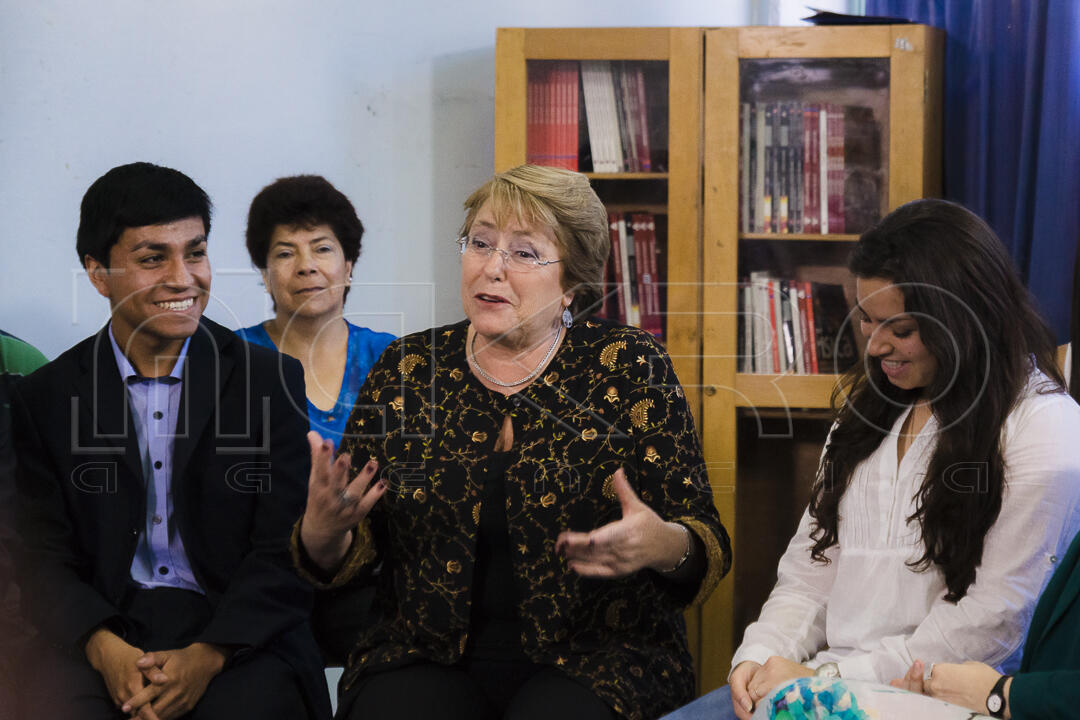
[(828, 670), (995, 701)]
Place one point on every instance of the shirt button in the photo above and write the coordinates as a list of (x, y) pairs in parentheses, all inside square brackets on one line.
[(157, 464), (158, 415), (1053, 559), (157, 520), (163, 570)]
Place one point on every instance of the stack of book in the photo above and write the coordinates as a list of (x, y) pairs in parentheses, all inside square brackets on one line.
[(633, 273), (552, 114), (791, 326), (606, 99), (808, 168)]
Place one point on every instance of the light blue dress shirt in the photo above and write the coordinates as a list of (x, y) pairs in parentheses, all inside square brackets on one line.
[(160, 559)]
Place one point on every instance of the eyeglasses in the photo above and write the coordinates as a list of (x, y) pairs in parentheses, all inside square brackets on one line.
[(516, 258)]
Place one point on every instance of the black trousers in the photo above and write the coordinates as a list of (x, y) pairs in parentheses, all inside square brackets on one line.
[(472, 690), (257, 684)]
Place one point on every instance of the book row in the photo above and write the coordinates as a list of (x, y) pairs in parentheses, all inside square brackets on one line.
[(593, 115), (633, 273), (809, 168), (791, 326)]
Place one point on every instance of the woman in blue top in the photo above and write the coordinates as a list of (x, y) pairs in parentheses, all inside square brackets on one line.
[(304, 236)]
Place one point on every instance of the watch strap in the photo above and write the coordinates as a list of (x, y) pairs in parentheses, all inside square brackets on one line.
[(998, 691)]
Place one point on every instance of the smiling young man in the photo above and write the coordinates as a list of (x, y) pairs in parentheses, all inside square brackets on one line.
[(161, 465)]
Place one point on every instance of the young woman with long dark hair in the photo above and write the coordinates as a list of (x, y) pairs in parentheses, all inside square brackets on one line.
[(950, 482)]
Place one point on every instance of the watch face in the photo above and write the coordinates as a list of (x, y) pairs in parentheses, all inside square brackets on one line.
[(993, 703)]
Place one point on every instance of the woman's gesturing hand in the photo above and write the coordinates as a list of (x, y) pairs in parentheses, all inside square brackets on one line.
[(640, 539), (334, 504)]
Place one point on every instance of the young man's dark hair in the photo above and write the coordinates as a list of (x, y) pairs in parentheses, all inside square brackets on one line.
[(135, 195), (301, 201)]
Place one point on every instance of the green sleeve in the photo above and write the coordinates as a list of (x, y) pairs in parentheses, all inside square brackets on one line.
[(18, 357), (1045, 695)]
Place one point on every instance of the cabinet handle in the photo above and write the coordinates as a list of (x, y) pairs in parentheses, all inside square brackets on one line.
[(710, 390)]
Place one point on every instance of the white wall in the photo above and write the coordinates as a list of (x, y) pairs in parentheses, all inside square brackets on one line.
[(392, 101)]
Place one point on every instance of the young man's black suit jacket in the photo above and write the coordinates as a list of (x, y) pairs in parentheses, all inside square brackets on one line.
[(239, 482)]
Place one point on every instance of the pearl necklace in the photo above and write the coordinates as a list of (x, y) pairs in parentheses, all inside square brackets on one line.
[(522, 381)]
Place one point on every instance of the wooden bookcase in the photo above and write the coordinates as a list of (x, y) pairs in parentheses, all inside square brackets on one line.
[(762, 433), (674, 192)]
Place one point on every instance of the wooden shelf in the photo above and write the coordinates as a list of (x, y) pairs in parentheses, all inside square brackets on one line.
[(627, 176), (798, 236), (636, 207), (784, 391)]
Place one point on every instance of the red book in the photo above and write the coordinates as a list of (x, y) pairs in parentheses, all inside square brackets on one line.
[(773, 327), (616, 262), (643, 121), (532, 107), (808, 287), (572, 129), (654, 289)]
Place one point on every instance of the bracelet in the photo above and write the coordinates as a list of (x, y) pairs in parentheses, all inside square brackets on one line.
[(686, 555)]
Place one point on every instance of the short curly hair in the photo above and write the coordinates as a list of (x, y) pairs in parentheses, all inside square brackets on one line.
[(564, 201), (301, 201)]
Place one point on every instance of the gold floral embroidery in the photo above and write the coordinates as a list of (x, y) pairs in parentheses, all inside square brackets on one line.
[(636, 671), (551, 378), (548, 500), (409, 363), (398, 403), (610, 354), (419, 495), (588, 434), (461, 645), (640, 359), (479, 436), (591, 324), (611, 616), (456, 375), (608, 490), (612, 395), (453, 567), (651, 455), (476, 513), (639, 414)]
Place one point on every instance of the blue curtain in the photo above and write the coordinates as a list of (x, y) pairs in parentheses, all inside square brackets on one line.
[(1012, 128)]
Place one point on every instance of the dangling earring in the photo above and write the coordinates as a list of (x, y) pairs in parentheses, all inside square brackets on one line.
[(567, 318)]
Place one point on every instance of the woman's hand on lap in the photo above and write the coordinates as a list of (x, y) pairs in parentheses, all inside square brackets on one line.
[(739, 681), (913, 680), (776, 671)]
